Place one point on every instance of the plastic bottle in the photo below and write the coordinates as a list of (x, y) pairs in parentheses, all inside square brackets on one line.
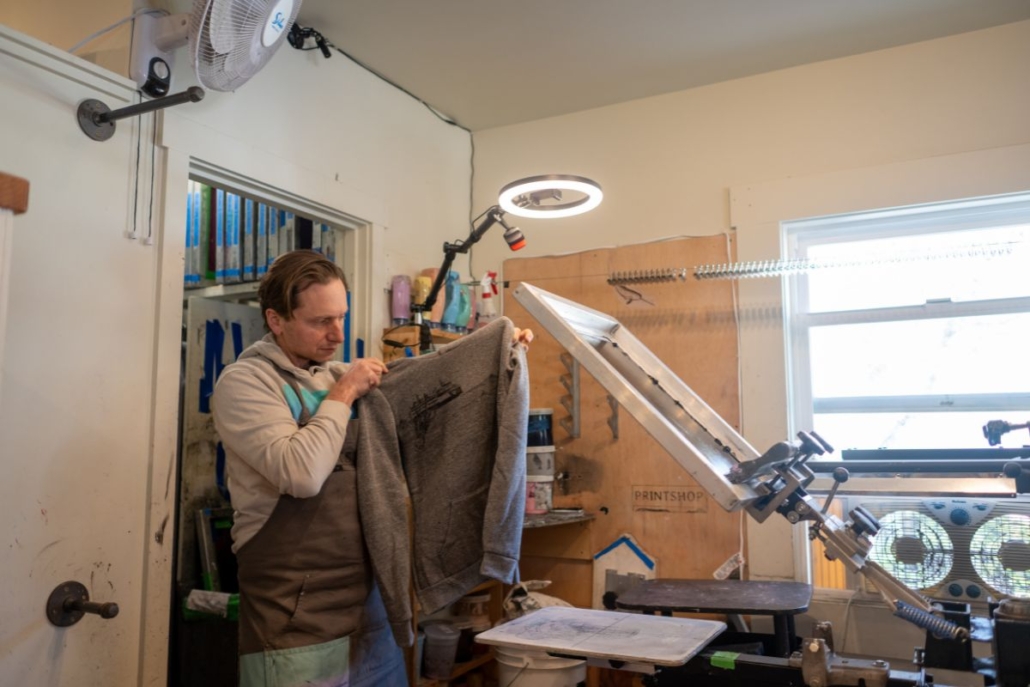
[(453, 302), (400, 307), (436, 315), (464, 308), (487, 309)]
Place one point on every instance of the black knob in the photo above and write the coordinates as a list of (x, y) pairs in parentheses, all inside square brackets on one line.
[(863, 522), (841, 475), (825, 444), (1013, 469)]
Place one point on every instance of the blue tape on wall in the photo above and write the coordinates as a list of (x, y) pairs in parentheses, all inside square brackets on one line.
[(214, 339), (346, 332), (237, 339)]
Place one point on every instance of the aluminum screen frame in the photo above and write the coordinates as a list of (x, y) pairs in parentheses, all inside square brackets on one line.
[(704, 444)]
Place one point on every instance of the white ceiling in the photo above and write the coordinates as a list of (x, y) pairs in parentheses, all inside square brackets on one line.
[(489, 63)]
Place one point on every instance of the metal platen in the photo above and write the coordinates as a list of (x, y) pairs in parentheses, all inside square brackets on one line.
[(716, 456)]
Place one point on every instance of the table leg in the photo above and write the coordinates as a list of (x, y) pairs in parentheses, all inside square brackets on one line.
[(781, 624)]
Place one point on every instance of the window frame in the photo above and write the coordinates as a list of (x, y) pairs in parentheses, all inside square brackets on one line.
[(799, 236)]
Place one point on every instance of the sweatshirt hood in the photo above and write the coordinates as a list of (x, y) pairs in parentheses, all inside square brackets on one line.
[(268, 349)]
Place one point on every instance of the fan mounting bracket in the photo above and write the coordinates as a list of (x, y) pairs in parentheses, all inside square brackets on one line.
[(90, 114)]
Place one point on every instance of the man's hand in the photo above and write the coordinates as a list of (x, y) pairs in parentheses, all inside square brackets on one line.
[(362, 376), (522, 337)]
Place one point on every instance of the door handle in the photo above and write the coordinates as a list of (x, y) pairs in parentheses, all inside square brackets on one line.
[(70, 601)]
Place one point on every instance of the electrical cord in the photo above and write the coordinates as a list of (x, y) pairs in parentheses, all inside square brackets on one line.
[(847, 613), (153, 163), (135, 190), (436, 113), (439, 115), (472, 178), (112, 27)]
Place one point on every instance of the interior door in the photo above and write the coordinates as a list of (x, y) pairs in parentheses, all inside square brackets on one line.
[(79, 378)]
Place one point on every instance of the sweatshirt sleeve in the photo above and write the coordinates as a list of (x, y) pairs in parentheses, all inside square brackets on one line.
[(382, 496), (505, 506), (254, 421)]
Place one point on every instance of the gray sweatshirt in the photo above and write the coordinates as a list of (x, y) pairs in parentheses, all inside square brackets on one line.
[(450, 429)]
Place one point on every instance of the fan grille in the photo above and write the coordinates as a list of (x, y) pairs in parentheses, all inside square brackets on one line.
[(913, 548), (1000, 553), (226, 39)]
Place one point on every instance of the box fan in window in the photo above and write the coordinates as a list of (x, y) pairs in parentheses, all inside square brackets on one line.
[(953, 549)]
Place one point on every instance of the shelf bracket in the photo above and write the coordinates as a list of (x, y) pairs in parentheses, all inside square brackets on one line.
[(570, 401), (613, 419)]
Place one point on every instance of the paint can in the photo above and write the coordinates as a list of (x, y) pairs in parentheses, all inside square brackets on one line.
[(540, 460), (539, 491), (540, 427)]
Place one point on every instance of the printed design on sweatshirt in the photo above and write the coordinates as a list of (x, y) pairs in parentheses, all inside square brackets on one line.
[(312, 400), (423, 410)]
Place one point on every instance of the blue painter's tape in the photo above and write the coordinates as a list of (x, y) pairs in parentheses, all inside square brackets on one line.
[(346, 332), (237, 339), (214, 339), (633, 547)]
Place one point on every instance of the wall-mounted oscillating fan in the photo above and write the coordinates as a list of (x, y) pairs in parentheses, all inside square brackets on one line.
[(914, 548), (1000, 553), (229, 42)]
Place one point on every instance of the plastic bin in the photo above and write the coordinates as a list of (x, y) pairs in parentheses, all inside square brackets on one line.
[(441, 648)]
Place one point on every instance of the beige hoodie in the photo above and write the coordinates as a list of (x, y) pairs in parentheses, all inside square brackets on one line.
[(256, 412)]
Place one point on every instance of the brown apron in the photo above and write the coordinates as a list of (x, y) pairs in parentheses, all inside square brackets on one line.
[(304, 577)]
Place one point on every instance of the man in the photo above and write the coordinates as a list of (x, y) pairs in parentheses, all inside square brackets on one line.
[(283, 413)]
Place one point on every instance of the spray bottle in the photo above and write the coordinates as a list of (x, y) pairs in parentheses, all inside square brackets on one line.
[(487, 307)]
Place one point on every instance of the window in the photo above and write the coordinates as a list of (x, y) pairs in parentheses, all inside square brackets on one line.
[(910, 327)]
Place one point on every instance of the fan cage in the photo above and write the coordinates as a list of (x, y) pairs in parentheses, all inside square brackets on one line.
[(226, 40), (914, 548)]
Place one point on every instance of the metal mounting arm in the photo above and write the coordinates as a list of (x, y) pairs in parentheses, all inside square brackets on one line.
[(97, 120)]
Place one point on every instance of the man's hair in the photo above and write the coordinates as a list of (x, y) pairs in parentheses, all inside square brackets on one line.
[(290, 275)]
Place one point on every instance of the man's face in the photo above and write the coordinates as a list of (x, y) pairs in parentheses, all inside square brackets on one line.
[(315, 331)]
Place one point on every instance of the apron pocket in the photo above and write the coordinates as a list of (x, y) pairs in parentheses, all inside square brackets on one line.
[(320, 665)]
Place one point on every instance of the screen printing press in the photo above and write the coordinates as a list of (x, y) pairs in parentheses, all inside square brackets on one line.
[(680, 651)]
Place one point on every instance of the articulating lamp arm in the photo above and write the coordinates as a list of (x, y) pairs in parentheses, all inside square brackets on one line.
[(491, 217)]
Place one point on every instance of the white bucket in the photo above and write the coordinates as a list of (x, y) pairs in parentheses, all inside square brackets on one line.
[(521, 668)]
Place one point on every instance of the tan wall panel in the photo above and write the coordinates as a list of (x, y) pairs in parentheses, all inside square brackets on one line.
[(691, 326)]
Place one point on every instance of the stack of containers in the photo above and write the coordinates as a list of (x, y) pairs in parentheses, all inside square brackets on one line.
[(539, 461), (474, 612)]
